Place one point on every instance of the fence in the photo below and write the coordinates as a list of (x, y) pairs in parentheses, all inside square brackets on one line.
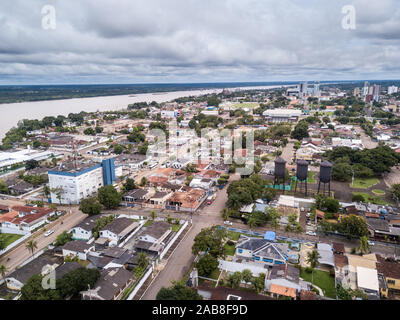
[(141, 282), (15, 243), (173, 240)]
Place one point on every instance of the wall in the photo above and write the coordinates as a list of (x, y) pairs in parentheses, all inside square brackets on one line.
[(15, 243)]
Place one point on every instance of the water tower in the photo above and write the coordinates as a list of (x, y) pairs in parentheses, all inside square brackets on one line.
[(302, 175), (280, 172), (325, 176)]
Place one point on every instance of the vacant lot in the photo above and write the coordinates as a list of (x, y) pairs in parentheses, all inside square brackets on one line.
[(9, 238), (323, 280)]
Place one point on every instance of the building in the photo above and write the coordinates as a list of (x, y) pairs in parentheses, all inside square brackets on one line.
[(84, 230), (367, 281), (110, 285), (390, 270), (24, 219), (8, 159), (282, 115), (261, 251), (392, 89), (152, 239), (118, 230), (70, 184), (77, 248)]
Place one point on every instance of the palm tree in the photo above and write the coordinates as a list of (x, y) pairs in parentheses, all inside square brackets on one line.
[(3, 271), (364, 245), (153, 215), (46, 190), (252, 223), (312, 259), (31, 245), (225, 214)]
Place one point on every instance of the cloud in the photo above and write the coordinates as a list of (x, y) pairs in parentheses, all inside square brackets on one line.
[(194, 41)]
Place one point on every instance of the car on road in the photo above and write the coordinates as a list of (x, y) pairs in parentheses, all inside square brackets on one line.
[(228, 223), (48, 233), (311, 233), (4, 198), (371, 243)]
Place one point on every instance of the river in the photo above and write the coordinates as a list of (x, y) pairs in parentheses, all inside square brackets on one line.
[(11, 113)]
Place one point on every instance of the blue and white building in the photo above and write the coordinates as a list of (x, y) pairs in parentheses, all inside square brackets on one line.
[(69, 185)]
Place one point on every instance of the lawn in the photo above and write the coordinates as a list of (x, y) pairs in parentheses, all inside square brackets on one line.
[(229, 250), (176, 227), (233, 235), (364, 183), (148, 223), (323, 280), (310, 178), (370, 198), (378, 192), (9, 238)]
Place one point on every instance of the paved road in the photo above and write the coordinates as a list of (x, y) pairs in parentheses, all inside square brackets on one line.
[(366, 140), (181, 260), (19, 254)]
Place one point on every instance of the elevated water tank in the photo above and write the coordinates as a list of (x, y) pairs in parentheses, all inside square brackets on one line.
[(302, 170), (280, 168), (325, 172)]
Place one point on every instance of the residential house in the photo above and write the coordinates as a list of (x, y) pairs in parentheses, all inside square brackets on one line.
[(187, 199), (153, 238), (261, 251), (367, 281), (65, 268), (158, 200), (118, 230), (390, 270), (84, 230), (136, 197), (77, 248), (110, 285)]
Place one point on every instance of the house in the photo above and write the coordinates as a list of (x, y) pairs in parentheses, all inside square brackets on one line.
[(136, 196), (84, 230), (121, 258), (44, 264), (367, 281), (188, 199), (158, 200), (366, 261), (152, 239), (286, 276), (77, 248), (118, 230), (110, 285), (208, 292), (326, 254), (65, 268), (390, 270), (202, 183), (25, 219), (261, 251)]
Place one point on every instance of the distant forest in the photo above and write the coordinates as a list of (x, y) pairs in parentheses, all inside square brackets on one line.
[(11, 94)]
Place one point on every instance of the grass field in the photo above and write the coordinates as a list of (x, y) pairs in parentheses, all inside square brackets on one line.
[(364, 183), (323, 280), (229, 250), (148, 223), (370, 198), (176, 227), (9, 238), (378, 192), (310, 178)]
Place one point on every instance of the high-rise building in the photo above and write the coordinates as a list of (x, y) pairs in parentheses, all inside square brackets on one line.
[(392, 89), (303, 89), (316, 90), (366, 88), (356, 92)]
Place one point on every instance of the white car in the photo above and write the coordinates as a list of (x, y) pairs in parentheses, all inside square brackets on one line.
[(228, 223), (310, 233), (48, 233), (371, 243)]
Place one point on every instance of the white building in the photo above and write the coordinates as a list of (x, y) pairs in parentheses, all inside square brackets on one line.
[(392, 89), (7, 159), (282, 115), (69, 185)]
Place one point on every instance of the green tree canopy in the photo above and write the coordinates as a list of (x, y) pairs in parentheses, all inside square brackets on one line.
[(109, 197)]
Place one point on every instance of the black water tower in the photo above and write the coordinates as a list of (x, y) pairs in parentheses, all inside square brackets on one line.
[(302, 170), (325, 173), (280, 168)]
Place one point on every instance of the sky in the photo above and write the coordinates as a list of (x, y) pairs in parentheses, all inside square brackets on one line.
[(188, 41)]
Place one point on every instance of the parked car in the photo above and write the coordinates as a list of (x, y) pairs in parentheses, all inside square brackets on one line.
[(311, 233), (371, 243), (48, 233), (228, 223)]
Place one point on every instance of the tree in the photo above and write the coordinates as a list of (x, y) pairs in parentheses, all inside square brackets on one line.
[(63, 238), (33, 290), (3, 271), (364, 245), (235, 279), (300, 131), (358, 198), (109, 197), (89, 132), (59, 191), (247, 275), (118, 148), (313, 260), (142, 261), (31, 164), (395, 192), (258, 283), (206, 265), (31, 245), (4, 188), (143, 181), (76, 281), (130, 184), (225, 214), (178, 291), (46, 190), (342, 172), (90, 206), (353, 226), (153, 215), (273, 216), (210, 240)]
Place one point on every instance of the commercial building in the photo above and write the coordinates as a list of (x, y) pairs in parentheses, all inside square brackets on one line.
[(70, 184), (282, 115)]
